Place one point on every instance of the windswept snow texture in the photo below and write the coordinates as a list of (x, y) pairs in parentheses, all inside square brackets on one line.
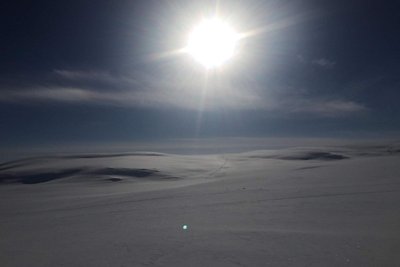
[(335, 206)]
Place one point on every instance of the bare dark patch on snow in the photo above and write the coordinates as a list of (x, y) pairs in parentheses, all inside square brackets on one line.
[(315, 156), (38, 177), (150, 174), (115, 179), (29, 161), (303, 155), (309, 167), (20, 163), (113, 155), (111, 174)]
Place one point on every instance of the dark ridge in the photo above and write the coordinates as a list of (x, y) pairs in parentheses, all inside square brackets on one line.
[(316, 155), (19, 162), (9, 178), (11, 166), (309, 167), (305, 156), (125, 172), (394, 150), (149, 174), (108, 173), (114, 179), (26, 161), (36, 178), (112, 155)]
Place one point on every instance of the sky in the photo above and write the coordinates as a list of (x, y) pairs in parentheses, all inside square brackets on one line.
[(109, 71)]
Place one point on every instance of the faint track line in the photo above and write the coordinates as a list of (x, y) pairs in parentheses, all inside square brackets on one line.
[(222, 166), (302, 197)]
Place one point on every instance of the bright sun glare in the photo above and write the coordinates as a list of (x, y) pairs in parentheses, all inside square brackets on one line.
[(212, 42)]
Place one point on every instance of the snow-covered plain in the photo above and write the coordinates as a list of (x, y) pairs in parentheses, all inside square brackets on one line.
[(289, 207)]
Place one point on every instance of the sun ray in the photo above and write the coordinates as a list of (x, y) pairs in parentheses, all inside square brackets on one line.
[(166, 54)]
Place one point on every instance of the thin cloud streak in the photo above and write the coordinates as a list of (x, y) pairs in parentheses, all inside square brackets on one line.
[(324, 63), (326, 108), (151, 92)]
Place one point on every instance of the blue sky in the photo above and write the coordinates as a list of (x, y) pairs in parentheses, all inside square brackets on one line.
[(101, 71)]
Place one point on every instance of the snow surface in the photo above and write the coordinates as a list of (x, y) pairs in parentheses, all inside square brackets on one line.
[(289, 207)]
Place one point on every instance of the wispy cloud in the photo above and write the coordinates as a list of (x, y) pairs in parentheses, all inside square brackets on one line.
[(319, 62), (182, 92), (142, 91), (155, 98), (97, 76), (325, 108), (324, 63)]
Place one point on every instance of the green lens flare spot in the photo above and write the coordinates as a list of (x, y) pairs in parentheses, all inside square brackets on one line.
[(184, 227)]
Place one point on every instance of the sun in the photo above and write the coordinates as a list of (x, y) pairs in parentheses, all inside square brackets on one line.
[(212, 42)]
